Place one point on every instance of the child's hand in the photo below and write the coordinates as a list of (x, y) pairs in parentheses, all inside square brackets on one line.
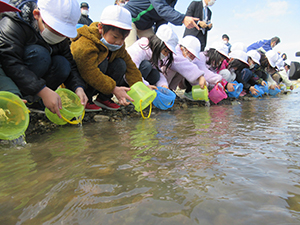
[(292, 87), (164, 86), (51, 100), (253, 90), (230, 87), (122, 96), (273, 86), (202, 82), (263, 83), (152, 87), (81, 94)]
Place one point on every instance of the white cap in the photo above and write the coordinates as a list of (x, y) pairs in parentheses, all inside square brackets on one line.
[(272, 57), (117, 16), (255, 56), (287, 62), (168, 36), (280, 63), (61, 15), (192, 44), (221, 47), (240, 55), (239, 46)]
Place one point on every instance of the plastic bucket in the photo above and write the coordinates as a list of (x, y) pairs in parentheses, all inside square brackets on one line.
[(274, 92), (165, 98), (14, 116), (200, 94), (264, 88), (142, 96), (238, 88), (217, 93), (71, 108), (259, 93)]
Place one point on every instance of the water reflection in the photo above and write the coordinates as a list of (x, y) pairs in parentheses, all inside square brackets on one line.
[(234, 164)]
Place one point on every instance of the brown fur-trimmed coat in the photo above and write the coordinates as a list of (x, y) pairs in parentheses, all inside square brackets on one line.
[(88, 52)]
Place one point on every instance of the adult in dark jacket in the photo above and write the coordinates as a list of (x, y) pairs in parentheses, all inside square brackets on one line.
[(84, 16), (200, 9), (147, 14), (35, 52)]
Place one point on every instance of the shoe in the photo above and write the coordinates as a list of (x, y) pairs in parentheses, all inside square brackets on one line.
[(243, 93), (188, 95), (90, 107), (107, 104)]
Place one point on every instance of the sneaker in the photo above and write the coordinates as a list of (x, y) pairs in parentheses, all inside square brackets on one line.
[(243, 93), (188, 95), (107, 104), (90, 107)]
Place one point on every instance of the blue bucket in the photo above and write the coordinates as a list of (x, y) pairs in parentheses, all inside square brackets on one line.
[(264, 88), (238, 88), (260, 91), (165, 98), (274, 92)]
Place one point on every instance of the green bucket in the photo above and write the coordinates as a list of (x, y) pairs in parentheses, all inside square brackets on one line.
[(14, 116), (71, 108), (142, 95)]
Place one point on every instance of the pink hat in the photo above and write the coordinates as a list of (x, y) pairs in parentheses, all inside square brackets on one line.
[(4, 7)]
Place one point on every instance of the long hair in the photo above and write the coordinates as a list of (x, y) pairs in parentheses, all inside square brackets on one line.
[(237, 65), (156, 45), (214, 58)]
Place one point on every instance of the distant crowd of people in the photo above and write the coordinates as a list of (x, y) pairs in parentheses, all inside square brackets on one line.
[(43, 47)]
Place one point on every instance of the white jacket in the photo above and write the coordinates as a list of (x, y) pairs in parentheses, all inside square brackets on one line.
[(285, 78)]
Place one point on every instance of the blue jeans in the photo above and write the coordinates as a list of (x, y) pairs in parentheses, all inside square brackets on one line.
[(6, 84), (53, 69), (114, 70)]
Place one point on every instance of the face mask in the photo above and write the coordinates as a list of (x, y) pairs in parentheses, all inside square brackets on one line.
[(251, 66), (162, 56), (225, 42), (110, 47), (85, 12), (211, 2), (190, 60), (122, 4), (51, 38)]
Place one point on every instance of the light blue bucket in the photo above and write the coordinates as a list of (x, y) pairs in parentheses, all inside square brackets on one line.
[(165, 98), (259, 93), (274, 92), (238, 88), (264, 88)]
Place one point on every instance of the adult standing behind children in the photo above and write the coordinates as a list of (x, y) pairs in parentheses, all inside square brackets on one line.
[(148, 13), (200, 9), (84, 16), (264, 45), (102, 60), (35, 52)]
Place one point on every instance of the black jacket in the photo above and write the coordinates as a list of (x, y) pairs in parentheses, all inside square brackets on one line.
[(85, 20), (195, 9), (15, 34)]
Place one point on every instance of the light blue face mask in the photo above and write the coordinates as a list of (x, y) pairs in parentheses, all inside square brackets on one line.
[(110, 47)]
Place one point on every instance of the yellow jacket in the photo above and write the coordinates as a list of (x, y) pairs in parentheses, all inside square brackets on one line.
[(88, 52)]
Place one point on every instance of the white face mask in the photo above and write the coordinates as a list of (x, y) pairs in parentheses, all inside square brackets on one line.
[(122, 4), (211, 2), (162, 56), (190, 60), (85, 12), (51, 38)]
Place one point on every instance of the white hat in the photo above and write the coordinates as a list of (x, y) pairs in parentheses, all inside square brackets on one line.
[(240, 55), (116, 16), (280, 63), (168, 36), (192, 44), (221, 47), (272, 57), (61, 15), (287, 62), (239, 46), (255, 56)]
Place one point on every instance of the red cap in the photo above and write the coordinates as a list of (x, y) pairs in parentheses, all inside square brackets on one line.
[(4, 7)]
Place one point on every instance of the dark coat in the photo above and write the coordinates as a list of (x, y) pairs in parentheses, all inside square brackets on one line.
[(148, 13), (15, 35), (85, 20), (195, 9)]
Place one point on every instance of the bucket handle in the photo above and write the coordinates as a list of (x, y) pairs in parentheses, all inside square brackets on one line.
[(74, 121), (167, 106), (142, 110)]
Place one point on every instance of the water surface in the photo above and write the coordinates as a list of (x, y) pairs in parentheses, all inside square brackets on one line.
[(236, 164)]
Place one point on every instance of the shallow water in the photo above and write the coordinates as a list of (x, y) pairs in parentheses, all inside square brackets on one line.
[(236, 164)]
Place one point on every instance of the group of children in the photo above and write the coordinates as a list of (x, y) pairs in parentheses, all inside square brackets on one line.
[(40, 49)]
